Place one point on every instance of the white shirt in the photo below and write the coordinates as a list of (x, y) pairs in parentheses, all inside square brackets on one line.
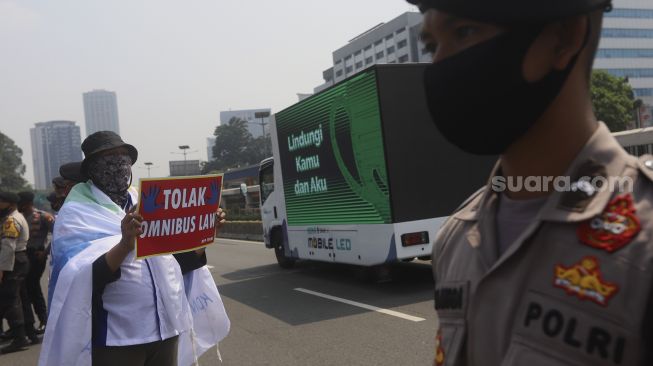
[(135, 312)]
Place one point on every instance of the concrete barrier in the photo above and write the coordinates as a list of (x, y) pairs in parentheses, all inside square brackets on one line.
[(242, 230)]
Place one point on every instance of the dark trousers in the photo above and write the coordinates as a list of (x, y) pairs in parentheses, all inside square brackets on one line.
[(33, 285), (161, 353), (11, 307)]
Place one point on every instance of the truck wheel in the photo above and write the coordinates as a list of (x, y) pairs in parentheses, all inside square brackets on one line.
[(277, 241)]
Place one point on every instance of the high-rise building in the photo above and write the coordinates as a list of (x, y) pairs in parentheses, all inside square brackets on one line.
[(396, 41), (210, 142), (255, 125), (101, 111), (54, 143), (626, 48)]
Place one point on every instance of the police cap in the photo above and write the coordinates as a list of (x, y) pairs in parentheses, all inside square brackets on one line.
[(8, 197), (25, 197), (514, 11)]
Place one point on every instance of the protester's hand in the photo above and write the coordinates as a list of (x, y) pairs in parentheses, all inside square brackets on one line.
[(131, 227), (220, 219), (215, 194), (149, 200)]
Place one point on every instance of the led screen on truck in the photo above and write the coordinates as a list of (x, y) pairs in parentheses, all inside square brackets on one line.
[(332, 156)]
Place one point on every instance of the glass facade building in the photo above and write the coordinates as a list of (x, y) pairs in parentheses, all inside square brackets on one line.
[(626, 48)]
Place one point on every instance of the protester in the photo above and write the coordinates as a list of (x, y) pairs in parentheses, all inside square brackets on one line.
[(527, 275), (40, 225), (55, 202), (14, 266), (123, 311), (70, 174)]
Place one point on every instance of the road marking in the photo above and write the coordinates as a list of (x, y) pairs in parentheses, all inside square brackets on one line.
[(364, 306), (242, 241)]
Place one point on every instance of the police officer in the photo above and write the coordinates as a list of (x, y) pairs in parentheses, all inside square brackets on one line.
[(557, 269), (14, 266), (40, 225)]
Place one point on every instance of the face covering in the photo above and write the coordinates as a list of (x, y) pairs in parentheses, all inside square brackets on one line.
[(479, 99), (112, 174)]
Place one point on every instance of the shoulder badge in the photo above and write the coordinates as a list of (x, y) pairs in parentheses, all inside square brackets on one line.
[(9, 229), (439, 351), (585, 281), (614, 228)]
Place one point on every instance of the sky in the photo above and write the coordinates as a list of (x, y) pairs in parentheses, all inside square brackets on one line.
[(173, 64)]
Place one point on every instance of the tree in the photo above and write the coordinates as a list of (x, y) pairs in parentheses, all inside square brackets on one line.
[(12, 167), (258, 149), (613, 100), (231, 141), (235, 147)]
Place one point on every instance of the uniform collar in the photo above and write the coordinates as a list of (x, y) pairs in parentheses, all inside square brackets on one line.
[(602, 155)]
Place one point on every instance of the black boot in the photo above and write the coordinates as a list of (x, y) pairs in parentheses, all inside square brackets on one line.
[(19, 343)]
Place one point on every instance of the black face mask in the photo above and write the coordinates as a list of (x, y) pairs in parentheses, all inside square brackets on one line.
[(479, 99), (113, 175)]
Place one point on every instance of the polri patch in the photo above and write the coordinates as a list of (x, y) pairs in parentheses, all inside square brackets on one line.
[(614, 228), (585, 281)]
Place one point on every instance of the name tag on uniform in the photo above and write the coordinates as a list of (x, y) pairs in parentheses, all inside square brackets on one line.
[(451, 297)]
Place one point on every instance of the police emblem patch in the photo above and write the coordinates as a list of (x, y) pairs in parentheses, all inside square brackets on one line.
[(614, 228), (585, 281), (9, 229)]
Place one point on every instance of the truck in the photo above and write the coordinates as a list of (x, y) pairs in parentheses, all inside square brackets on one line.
[(360, 174)]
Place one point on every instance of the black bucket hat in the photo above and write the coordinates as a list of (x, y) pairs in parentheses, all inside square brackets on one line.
[(514, 11), (73, 172), (103, 141), (9, 197)]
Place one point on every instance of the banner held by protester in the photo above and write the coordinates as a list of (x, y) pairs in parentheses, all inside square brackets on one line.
[(179, 214)]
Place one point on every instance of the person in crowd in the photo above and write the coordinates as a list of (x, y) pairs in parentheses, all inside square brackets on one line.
[(14, 266), (40, 224), (138, 307), (70, 174)]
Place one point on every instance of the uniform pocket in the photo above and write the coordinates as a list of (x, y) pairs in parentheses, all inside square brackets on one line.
[(521, 354)]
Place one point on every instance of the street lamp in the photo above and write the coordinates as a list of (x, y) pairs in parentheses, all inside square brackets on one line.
[(148, 165)]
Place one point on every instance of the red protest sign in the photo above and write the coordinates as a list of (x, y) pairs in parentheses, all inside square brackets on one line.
[(178, 214)]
